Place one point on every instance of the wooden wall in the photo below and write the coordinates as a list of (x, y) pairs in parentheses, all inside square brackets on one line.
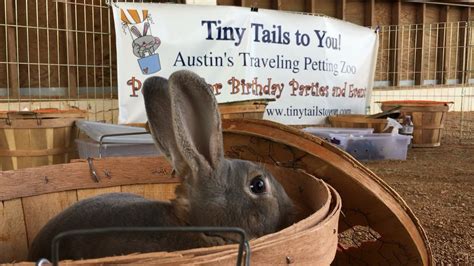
[(416, 48), (362, 12)]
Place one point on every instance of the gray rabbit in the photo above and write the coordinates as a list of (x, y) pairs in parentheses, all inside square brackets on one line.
[(144, 44), (186, 124)]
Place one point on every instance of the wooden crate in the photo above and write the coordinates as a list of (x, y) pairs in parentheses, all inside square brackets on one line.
[(428, 120), (29, 139)]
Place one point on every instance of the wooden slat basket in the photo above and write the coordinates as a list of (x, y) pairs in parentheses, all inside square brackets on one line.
[(384, 229), (41, 137), (428, 120), (252, 109), (244, 109), (358, 121)]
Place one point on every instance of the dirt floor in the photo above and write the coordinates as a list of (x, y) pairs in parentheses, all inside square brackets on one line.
[(438, 184)]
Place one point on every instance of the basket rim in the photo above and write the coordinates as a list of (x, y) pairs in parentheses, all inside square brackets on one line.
[(43, 113), (416, 102), (48, 111), (357, 118)]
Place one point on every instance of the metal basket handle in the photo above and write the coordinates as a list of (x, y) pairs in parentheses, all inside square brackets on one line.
[(8, 120), (243, 242), (101, 140)]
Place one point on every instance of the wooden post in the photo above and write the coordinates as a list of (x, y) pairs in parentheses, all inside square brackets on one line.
[(395, 43), (71, 52), (369, 19), (420, 37), (341, 9), (441, 51), (250, 3), (463, 44), (13, 76), (310, 6), (276, 4), (325, 7)]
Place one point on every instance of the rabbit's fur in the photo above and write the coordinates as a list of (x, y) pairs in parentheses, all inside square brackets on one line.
[(185, 121)]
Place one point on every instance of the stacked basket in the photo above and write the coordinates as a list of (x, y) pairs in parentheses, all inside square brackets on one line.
[(41, 137), (428, 120)]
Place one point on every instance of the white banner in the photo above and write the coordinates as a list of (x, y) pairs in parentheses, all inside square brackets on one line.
[(312, 66)]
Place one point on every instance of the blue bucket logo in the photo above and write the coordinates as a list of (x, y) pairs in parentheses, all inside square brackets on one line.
[(150, 64)]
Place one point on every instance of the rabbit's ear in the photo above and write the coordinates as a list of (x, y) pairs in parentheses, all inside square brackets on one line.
[(158, 108), (135, 31), (185, 121), (145, 28), (196, 122)]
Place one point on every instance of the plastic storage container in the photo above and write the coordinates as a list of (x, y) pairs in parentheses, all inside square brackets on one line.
[(382, 146), (113, 145), (96, 130), (324, 132), (90, 148)]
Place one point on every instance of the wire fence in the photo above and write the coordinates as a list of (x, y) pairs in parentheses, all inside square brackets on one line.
[(429, 62), (61, 54), (57, 54)]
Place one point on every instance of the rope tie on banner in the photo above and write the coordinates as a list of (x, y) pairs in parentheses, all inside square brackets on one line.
[(377, 29), (254, 7), (111, 3)]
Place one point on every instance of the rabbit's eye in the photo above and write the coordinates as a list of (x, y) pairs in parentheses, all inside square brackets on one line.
[(257, 185)]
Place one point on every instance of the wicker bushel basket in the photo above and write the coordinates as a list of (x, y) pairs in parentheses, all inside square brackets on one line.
[(252, 109), (358, 121), (377, 226), (243, 109), (41, 137), (428, 120)]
